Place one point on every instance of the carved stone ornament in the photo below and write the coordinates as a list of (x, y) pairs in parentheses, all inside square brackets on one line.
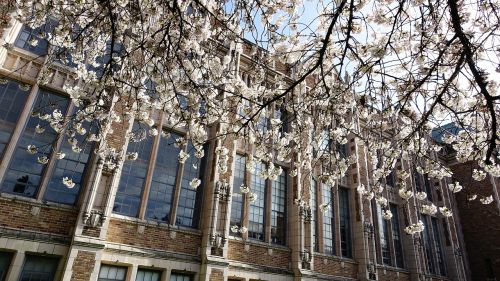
[(94, 219)]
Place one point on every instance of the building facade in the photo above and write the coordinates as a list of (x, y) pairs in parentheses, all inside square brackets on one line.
[(143, 220)]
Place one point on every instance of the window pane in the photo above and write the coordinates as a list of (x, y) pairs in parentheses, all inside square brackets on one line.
[(396, 236), (5, 258), (278, 211), (383, 232), (345, 227), (128, 196), (12, 100), (190, 198), (437, 246), (237, 196), (428, 246), (180, 277), (34, 40), (24, 173), (328, 220), (314, 210), (257, 213), (112, 273), (73, 166), (39, 268), (163, 181), (148, 275)]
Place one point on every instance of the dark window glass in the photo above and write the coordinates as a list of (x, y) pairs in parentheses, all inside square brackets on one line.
[(5, 258), (342, 150), (345, 227), (24, 174), (39, 268), (417, 179), (72, 166), (12, 100), (383, 232), (112, 273), (128, 196), (190, 198), (34, 40), (180, 277), (237, 196), (328, 220), (396, 236), (428, 246), (278, 210), (428, 187), (390, 179), (148, 275), (437, 247), (257, 213), (163, 182), (314, 210)]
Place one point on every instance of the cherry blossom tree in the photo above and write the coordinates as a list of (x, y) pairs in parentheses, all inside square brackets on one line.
[(385, 73)]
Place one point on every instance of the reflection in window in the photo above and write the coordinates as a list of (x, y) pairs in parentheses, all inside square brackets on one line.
[(345, 228), (24, 173), (396, 236), (112, 273), (256, 213), (189, 199), (34, 40), (163, 182), (328, 220), (237, 196), (71, 166), (12, 99), (278, 211), (428, 246), (383, 232), (437, 247), (128, 196), (39, 268)]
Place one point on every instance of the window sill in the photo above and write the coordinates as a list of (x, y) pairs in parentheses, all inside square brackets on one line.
[(156, 224), (35, 202), (259, 243)]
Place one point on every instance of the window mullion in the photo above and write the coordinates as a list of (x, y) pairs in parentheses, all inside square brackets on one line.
[(50, 166), (246, 202), (336, 214), (268, 211), (16, 134), (149, 174), (177, 190)]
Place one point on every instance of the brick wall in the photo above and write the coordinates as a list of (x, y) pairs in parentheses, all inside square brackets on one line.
[(332, 266), (216, 275), (391, 275), (18, 214), (154, 237), (83, 265), (92, 232), (259, 255), (480, 223)]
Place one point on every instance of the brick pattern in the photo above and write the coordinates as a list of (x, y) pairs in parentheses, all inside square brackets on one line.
[(154, 237), (83, 265), (18, 214), (391, 275), (332, 266), (216, 275), (258, 255), (92, 232), (480, 223)]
